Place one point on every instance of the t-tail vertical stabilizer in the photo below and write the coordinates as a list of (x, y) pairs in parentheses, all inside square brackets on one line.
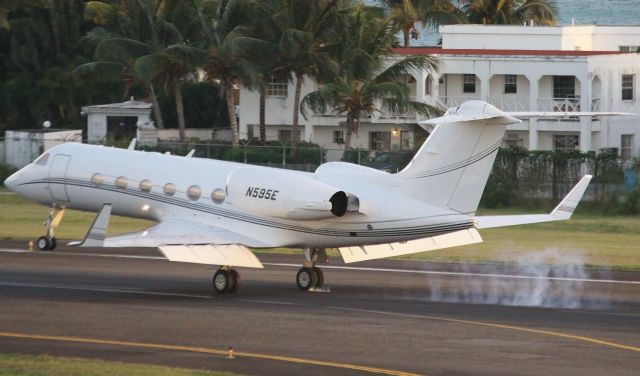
[(452, 167)]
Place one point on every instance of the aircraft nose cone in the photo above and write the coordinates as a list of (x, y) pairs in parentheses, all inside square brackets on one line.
[(11, 181)]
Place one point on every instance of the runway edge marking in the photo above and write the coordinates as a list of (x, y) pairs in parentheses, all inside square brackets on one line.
[(500, 326), (206, 350)]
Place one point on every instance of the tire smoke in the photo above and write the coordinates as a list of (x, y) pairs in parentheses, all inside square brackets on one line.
[(538, 290)]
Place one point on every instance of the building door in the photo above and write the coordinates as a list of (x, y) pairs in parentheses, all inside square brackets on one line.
[(58, 177)]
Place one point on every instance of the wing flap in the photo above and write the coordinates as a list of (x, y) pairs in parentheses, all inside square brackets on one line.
[(210, 254), (378, 251)]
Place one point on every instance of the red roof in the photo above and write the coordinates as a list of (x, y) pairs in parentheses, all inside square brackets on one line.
[(472, 51)]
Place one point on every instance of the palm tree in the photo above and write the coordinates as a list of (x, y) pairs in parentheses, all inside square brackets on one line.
[(407, 14), (367, 82), (153, 48), (224, 26), (307, 29), (512, 12)]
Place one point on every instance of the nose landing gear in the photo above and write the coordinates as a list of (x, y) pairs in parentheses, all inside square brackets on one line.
[(48, 242), (310, 276)]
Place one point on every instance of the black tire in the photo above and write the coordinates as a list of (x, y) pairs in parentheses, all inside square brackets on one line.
[(43, 243), (52, 244), (306, 278), (221, 281), (235, 281), (320, 275)]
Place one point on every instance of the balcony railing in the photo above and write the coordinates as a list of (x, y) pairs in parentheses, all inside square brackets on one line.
[(510, 104), (456, 101), (559, 104)]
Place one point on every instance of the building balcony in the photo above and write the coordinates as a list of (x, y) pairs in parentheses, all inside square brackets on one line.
[(510, 103), (566, 104)]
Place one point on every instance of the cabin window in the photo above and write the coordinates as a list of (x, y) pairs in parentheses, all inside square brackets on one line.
[(146, 185), (218, 196), (42, 160), (627, 87), (97, 179), (169, 189), (469, 83), (122, 182), (194, 192)]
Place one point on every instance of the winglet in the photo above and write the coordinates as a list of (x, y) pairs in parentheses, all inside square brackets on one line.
[(98, 230), (565, 208)]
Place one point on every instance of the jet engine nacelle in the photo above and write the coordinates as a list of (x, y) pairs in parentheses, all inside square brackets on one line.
[(285, 195)]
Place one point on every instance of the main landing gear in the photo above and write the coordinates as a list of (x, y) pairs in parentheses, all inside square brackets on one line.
[(48, 242), (310, 276), (226, 280)]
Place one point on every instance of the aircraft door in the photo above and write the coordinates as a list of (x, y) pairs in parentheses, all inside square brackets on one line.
[(58, 177)]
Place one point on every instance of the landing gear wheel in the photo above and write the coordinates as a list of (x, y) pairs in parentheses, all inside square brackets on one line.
[(43, 243), (235, 277), (320, 275), (306, 278), (221, 281), (52, 244)]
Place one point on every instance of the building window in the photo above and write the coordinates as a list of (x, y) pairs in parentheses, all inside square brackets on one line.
[(510, 84), (379, 140), (277, 87), (564, 86), (469, 83), (284, 135), (338, 137), (563, 142), (627, 86), (626, 143), (512, 140), (629, 48)]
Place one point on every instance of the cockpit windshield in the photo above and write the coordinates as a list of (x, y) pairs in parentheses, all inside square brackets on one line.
[(42, 160)]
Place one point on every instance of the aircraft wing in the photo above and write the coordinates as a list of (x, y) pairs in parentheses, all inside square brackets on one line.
[(181, 241), (181, 232), (562, 212)]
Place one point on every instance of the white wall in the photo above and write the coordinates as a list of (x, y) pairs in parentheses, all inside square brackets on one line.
[(582, 37)]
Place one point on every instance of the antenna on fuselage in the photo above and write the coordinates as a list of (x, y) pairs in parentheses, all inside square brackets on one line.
[(132, 145), (191, 153)]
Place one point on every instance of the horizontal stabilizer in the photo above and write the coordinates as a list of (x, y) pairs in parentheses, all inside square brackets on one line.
[(547, 114), (485, 118), (378, 251), (563, 211), (227, 255)]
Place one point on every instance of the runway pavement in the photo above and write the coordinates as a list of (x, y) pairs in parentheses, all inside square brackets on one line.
[(384, 317)]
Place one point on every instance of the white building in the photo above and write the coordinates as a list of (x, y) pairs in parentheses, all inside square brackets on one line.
[(516, 68), (22, 147)]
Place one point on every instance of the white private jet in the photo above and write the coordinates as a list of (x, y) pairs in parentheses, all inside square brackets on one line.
[(211, 212)]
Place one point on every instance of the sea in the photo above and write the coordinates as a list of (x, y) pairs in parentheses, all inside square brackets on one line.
[(578, 12)]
